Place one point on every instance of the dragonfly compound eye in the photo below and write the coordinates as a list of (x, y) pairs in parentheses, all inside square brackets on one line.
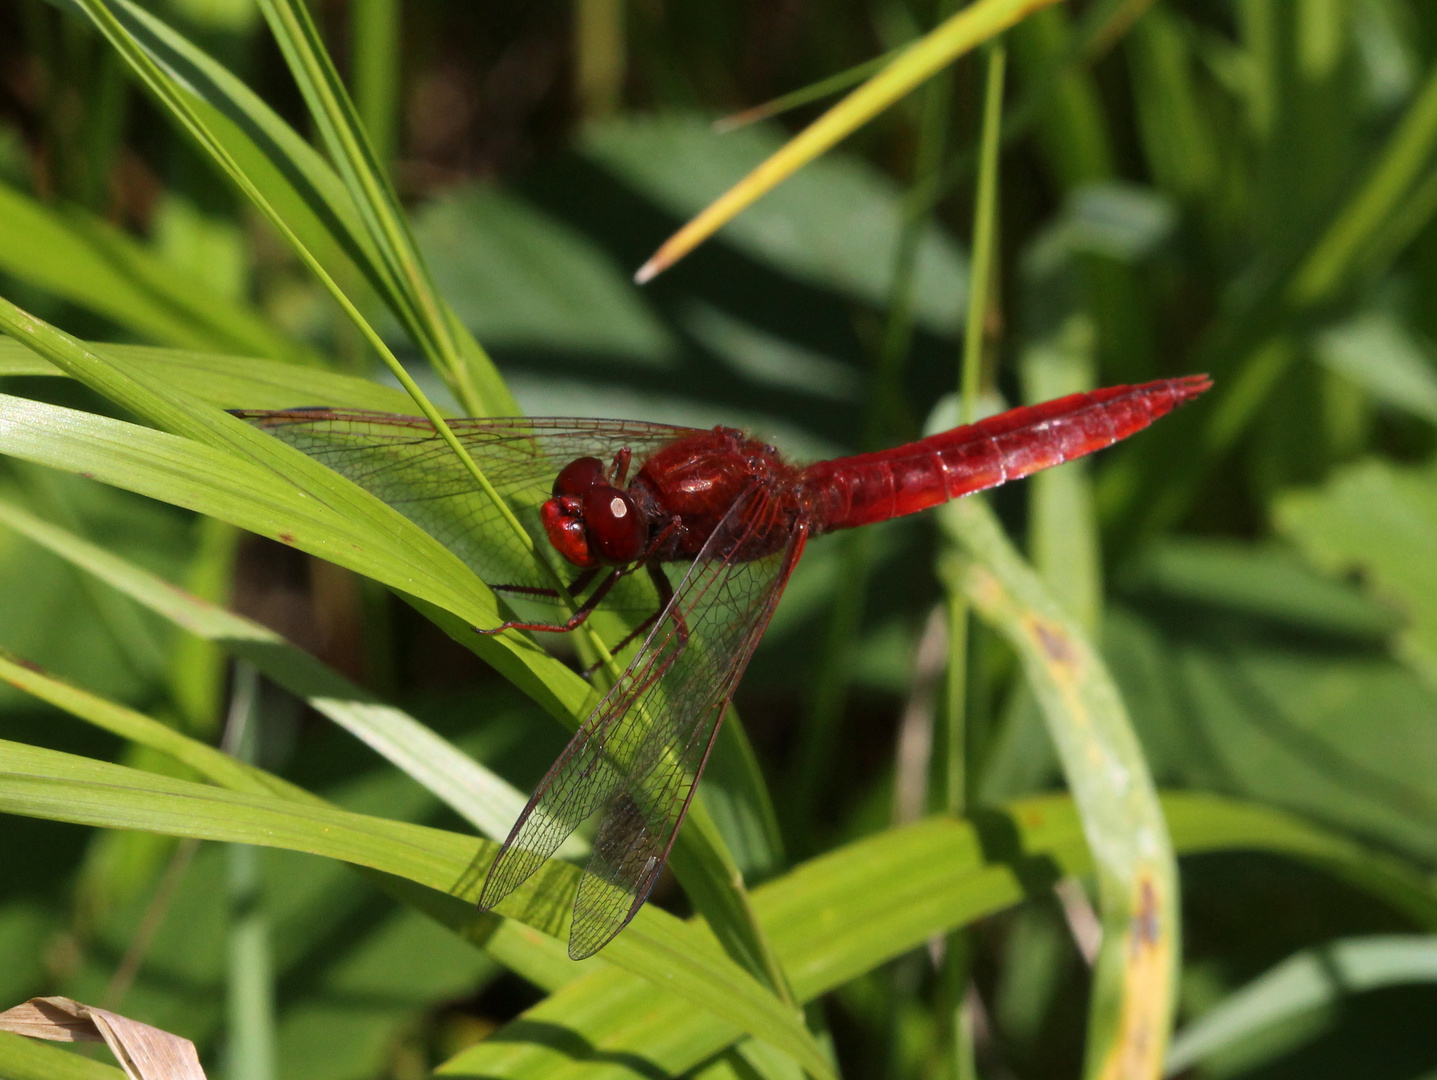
[(578, 476), (563, 519), (617, 530)]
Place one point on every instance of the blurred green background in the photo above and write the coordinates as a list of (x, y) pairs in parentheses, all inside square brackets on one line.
[(1244, 187)]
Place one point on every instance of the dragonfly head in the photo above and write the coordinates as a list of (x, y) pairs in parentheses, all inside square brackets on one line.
[(590, 522)]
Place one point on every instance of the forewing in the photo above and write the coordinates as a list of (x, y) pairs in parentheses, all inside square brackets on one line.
[(404, 462), (640, 754)]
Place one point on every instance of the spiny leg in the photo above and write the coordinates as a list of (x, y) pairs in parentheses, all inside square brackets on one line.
[(576, 620), (666, 593), (578, 585), (587, 608)]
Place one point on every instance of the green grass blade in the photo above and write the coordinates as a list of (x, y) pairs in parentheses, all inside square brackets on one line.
[(378, 43), (208, 762), (229, 474), (291, 174), (482, 798), (714, 884), (1307, 982), (139, 391), (172, 96), (325, 518), (227, 382), (1135, 975), (1252, 345), (249, 956), (1379, 521), (1404, 160), (847, 912), (538, 958), (276, 169), (738, 797), (84, 259), (62, 787), (955, 1022), (229, 455), (985, 236), (805, 95), (48, 784), (369, 188), (30, 1059)]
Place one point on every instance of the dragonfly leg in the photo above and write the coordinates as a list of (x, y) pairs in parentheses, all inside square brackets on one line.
[(578, 585), (666, 593), (620, 471), (576, 620), (661, 581), (527, 590), (587, 607)]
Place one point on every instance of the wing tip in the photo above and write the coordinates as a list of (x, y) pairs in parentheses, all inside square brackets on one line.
[(579, 951), (588, 935), (503, 878)]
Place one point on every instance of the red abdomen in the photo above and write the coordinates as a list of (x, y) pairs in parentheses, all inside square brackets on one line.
[(875, 487)]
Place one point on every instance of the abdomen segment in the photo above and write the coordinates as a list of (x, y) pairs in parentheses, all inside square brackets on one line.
[(889, 483)]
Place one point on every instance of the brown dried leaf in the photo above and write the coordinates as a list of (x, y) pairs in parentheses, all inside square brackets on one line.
[(144, 1052)]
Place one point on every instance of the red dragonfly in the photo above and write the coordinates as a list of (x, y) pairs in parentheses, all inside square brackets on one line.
[(608, 498)]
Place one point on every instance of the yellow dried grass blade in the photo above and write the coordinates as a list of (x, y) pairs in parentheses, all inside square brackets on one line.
[(928, 55)]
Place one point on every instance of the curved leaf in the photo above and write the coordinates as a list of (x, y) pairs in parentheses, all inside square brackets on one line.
[(1313, 979), (1380, 520), (321, 512), (349, 148), (1136, 972), (26, 1059), (478, 795), (48, 784), (277, 169), (845, 913), (225, 381), (88, 261)]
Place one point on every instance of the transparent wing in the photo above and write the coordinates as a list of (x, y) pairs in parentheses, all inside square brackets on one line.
[(402, 461), (639, 755)]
